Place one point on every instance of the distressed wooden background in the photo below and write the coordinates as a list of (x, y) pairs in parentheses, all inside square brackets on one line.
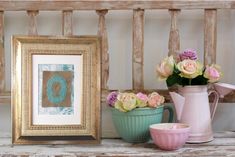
[(102, 7)]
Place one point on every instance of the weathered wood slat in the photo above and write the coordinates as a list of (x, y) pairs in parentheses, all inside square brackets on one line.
[(16, 5), (67, 22), (5, 98), (116, 147), (174, 38), (225, 134), (102, 32), (32, 22), (138, 49), (210, 34), (230, 98), (2, 54)]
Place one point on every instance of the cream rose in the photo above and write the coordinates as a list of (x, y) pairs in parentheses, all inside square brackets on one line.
[(166, 67), (213, 73), (190, 68)]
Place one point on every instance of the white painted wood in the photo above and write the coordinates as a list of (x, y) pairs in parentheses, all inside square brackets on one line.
[(221, 146), (108, 129)]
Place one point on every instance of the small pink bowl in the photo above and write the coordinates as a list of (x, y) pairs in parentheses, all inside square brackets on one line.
[(169, 136)]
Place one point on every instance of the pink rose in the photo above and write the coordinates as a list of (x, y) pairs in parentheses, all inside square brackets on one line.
[(212, 73), (155, 99), (142, 99)]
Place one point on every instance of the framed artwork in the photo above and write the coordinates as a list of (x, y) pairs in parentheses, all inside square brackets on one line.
[(55, 90)]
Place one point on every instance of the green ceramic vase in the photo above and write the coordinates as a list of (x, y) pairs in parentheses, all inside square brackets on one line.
[(133, 126)]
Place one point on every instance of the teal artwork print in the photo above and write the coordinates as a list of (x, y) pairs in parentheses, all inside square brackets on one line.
[(56, 98), (56, 89)]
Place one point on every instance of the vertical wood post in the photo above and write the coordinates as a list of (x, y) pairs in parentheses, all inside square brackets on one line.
[(138, 49), (67, 22), (2, 55), (210, 35), (102, 32), (174, 38), (32, 22)]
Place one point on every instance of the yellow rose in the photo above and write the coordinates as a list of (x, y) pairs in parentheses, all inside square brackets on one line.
[(128, 101), (118, 105), (166, 67), (190, 68)]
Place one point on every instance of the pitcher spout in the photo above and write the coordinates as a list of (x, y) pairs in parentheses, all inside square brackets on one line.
[(178, 101)]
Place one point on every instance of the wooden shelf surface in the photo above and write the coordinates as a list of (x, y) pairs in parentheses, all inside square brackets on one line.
[(222, 145)]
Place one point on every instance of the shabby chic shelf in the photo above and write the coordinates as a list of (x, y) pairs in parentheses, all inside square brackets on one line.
[(223, 145)]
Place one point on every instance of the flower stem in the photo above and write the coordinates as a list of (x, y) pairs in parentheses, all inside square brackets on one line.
[(190, 82)]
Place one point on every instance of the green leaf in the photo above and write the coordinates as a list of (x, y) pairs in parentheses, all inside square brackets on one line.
[(173, 79), (185, 81), (200, 80)]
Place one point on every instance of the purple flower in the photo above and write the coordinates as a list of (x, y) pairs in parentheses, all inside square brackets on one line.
[(188, 54), (112, 98)]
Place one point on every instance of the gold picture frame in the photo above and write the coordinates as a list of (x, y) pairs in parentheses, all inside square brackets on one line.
[(64, 66)]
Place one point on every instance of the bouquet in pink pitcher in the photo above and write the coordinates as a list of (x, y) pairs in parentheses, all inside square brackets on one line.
[(185, 69)]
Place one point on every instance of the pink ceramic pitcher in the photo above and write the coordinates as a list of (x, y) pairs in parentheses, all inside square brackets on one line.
[(192, 107)]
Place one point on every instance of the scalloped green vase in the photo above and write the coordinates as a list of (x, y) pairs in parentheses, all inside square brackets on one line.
[(133, 126)]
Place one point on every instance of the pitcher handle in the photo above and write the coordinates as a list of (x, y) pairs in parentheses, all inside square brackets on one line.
[(171, 113), (213, 105)]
